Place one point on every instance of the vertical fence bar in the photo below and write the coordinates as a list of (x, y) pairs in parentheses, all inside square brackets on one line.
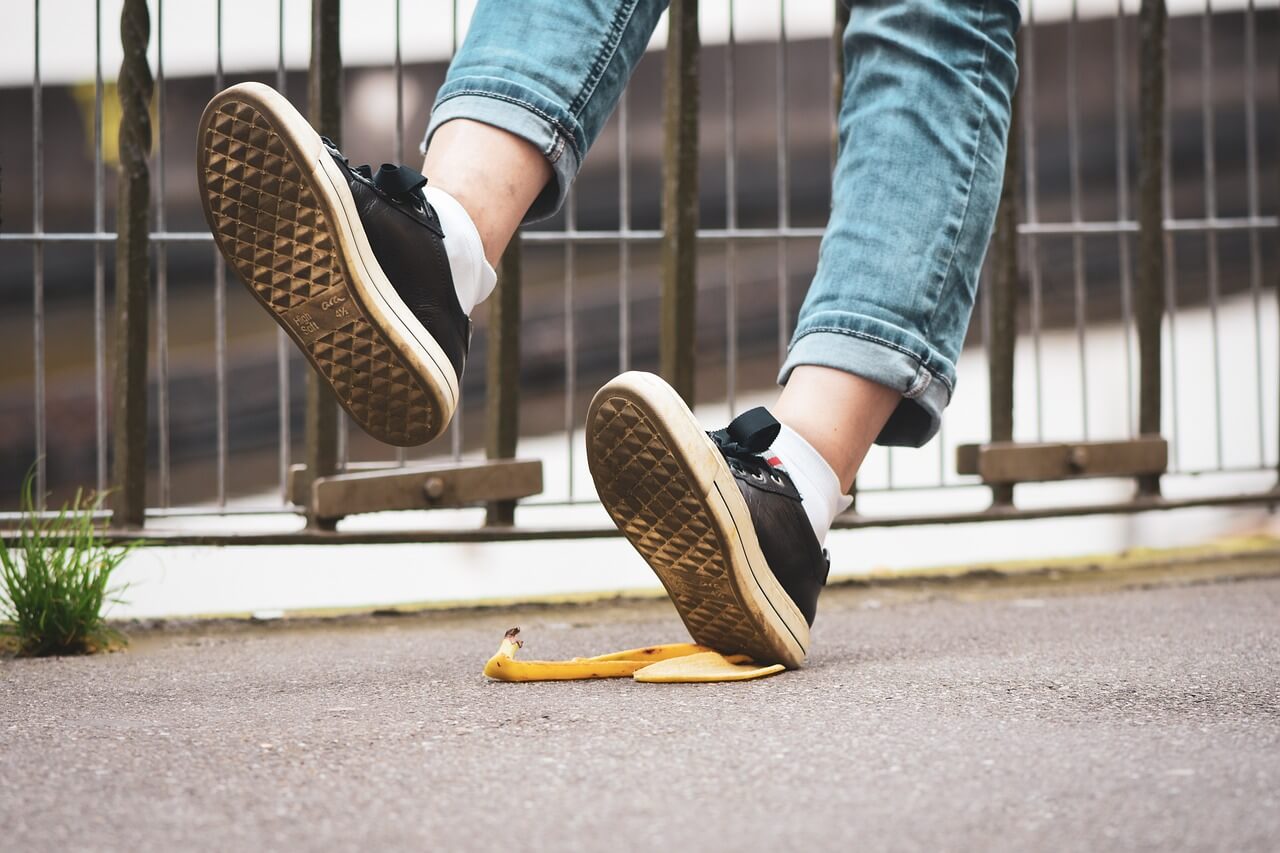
[(284, 347), (1077, 239), (624, 227), (731, 217), (1251, 175), (1151, 205), (502, 382), (1211, 213), (37, 262), (842, 11), (397, 144), (99, 261), (680, 198), (570, 336), (837, 77), (1027, 83), (324, 104), (162, 275), (222, 427), (784, 185), (133, 273), (1120, 57), (455, 435), (1003, 301)]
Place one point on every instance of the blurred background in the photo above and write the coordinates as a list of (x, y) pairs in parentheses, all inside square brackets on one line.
[(226, 393)]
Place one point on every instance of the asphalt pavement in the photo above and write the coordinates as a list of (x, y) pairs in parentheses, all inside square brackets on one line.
[(1007, 717)]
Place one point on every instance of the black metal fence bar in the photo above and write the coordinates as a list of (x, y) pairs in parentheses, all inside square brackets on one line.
[(133, 270), (37, 266), (1251, 172), (571, 419), (731, 214), (1002, 301), (324, 107), (1210, 211), (222, 425), (456, 427), (783, 156), (162, 276), (1120, 59), (1077, 239), (99, 264), (1153, 203), (284, 347), (502, 382), (680, 198)]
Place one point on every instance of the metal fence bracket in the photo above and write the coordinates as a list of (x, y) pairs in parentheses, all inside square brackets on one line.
[(447, 486), (1007, 462)]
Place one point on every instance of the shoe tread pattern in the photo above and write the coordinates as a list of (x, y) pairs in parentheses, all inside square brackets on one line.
[(271, 226), (656, 505)]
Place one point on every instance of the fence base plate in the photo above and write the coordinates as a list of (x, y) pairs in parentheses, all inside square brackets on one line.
[(1014, 462), (378, 488)]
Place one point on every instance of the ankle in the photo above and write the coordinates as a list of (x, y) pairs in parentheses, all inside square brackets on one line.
[(473, 277), (820, 489), (493, 174), (839, 414)]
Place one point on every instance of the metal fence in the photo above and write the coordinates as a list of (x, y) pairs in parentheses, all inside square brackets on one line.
[(1143, 219)]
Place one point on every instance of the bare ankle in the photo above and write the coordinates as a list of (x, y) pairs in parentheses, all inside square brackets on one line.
[(493, 174), (838, 413)]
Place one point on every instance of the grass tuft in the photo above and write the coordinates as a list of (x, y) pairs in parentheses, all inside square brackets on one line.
[(55, 580)]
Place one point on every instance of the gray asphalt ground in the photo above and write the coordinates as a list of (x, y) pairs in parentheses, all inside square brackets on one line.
[(1006, 717)]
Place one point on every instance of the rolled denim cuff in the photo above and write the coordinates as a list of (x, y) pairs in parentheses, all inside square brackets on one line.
[(524, 113), (882, 353)]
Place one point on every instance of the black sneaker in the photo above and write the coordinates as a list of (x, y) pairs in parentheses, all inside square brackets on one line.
[(724, 531), (351, 263)]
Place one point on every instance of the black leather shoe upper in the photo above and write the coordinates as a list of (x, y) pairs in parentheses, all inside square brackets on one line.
[(405, 235), (786, 537)]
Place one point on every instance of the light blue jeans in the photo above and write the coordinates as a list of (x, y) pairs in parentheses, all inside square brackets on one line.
[(923, 121)]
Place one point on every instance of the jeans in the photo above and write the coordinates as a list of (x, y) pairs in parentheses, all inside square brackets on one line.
[(923, 123)]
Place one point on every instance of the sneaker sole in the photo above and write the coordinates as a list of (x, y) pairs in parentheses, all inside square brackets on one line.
[(283, 216), (670, 492)]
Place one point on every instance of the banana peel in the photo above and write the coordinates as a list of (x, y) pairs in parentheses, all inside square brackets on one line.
[(704, 667), (667, 664)]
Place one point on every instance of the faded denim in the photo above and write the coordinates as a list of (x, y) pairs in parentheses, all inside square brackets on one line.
[(924, 117)]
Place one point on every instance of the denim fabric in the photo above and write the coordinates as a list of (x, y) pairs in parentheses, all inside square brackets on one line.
[(924, 117), (923, 121), (549, 71)]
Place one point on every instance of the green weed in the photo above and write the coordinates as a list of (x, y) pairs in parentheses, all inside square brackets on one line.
[(55, 579)]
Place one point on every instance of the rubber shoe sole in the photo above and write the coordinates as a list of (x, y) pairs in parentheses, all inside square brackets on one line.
[(670, 492), (283, 216)]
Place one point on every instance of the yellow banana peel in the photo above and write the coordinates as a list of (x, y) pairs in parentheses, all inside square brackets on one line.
[(667, 663), (704, 667)]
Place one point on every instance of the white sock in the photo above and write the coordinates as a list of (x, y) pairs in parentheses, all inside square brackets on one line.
[(473, 278), (814, 479)]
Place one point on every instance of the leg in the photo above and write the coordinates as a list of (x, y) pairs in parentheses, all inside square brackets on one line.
[(732, 522), (842, 428), (524, 100), (494, 175), (374, 274), (923, 126)]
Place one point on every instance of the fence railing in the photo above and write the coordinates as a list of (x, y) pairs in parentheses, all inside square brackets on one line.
[(1146, 236)]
